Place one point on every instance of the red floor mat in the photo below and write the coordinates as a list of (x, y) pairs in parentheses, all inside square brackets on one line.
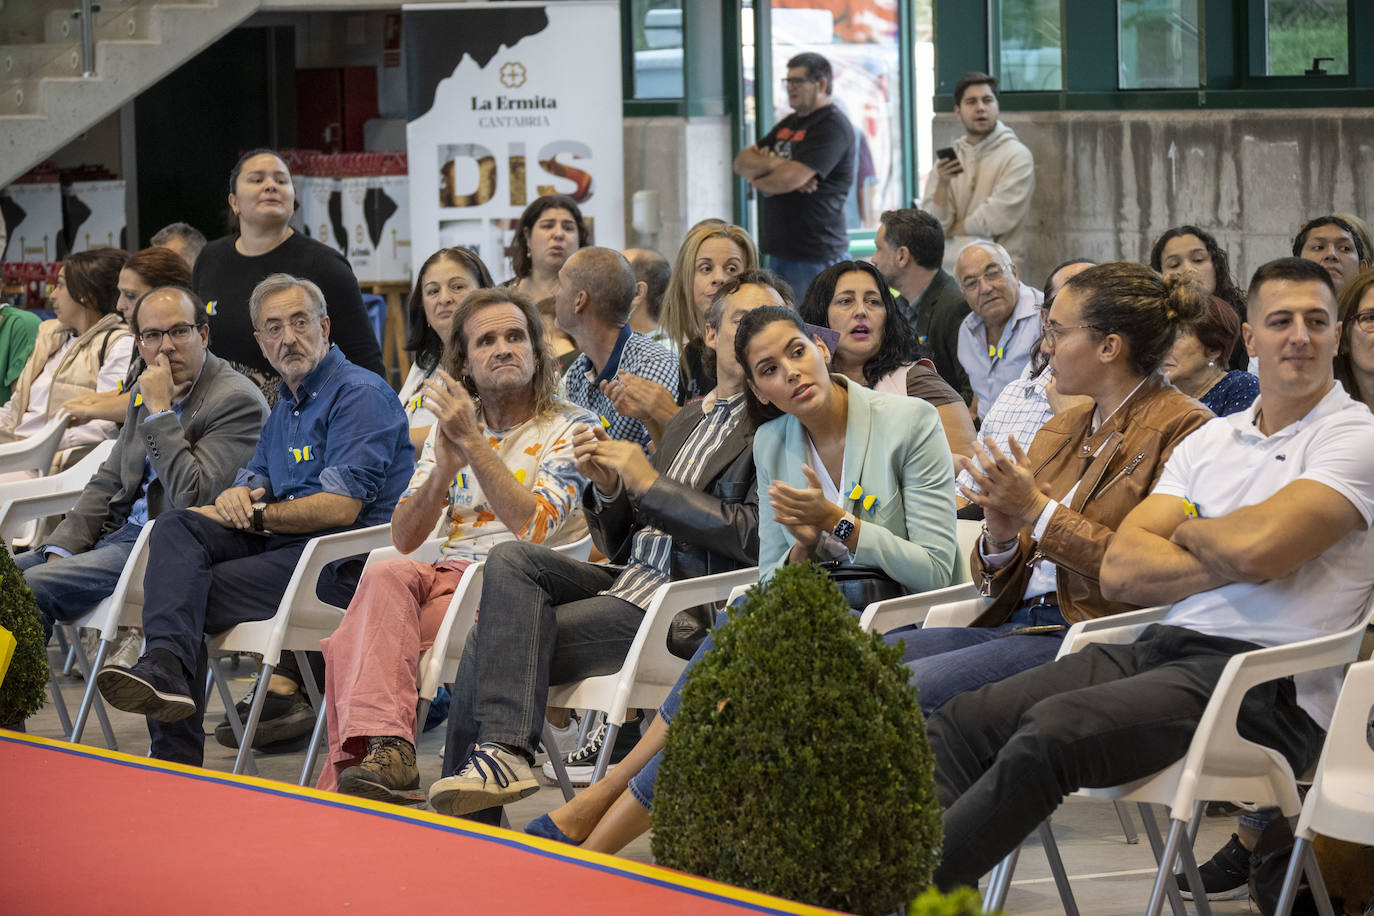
[(88, 831)]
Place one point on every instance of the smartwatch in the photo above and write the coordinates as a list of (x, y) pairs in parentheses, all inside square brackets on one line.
[(258, 508), (844, 527)]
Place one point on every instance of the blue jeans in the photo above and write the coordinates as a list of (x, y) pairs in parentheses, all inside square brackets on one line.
[(542, 622), (69, 587), (946, 661), (798, 274)]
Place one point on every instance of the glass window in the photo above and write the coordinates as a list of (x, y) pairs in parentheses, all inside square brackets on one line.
[(1297, 32), (859, 38), (657, 49), (1157, 44), (1026, 39)]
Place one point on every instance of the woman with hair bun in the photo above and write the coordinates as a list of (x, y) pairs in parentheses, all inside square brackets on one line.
[(1049, 514), (1197, 363)]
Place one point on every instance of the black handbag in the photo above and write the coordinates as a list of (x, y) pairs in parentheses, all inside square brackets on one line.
[(862, 585)]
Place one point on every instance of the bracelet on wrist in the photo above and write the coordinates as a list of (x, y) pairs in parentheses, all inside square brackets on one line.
[(994, 546)]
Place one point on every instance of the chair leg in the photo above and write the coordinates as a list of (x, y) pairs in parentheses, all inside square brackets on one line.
[(1123, 814), (230, 711), (312, 752), (603, 759), (88, 672), (254, 714), (1151, 827), (421, 714), (1061, 876), (999, 881), (556, 758), (1189, 862), (1165, 875), (63, 717), (308, 676), (89, 695)]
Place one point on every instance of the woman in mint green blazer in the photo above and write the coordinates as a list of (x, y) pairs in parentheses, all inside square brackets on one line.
[(844, 472)]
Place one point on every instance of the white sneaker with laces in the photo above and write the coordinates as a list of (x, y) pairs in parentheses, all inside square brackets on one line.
[(565, 738), (493, 775)]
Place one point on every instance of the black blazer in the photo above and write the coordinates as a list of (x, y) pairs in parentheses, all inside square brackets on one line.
[(714, 529)]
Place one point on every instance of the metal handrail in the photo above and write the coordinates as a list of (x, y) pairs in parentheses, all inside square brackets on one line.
[(87, 39)]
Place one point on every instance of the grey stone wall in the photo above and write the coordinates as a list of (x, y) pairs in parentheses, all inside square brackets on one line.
[(1108, 183)]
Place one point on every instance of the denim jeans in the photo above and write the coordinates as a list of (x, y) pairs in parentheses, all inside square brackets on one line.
[(1007, 754), (945, 661), (798, 274), (541, 622), (69, 587)]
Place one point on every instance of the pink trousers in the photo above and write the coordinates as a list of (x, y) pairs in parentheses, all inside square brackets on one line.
[(372, 660)]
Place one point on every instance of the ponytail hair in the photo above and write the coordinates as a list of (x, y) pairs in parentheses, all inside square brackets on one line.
[(1143, 308)]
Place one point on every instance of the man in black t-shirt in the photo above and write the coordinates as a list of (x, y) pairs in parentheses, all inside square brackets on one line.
[(803, 169)]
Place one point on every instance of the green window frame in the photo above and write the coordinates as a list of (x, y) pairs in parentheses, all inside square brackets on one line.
[(1229, 30)]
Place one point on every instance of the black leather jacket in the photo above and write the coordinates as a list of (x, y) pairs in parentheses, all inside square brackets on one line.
[(715, 529)]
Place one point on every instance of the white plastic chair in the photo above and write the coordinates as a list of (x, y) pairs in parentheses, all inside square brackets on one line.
[(1340, 803), (35, 453), (1219, 763), (23, 501), (911, 610), (650, 670), (301, 621), (121, 608)]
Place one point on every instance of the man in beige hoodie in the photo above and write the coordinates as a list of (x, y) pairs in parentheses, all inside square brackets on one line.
[(984, 191)]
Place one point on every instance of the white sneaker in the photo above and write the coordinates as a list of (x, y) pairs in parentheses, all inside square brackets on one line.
[(126, 650), (492, 776), (564, 738)]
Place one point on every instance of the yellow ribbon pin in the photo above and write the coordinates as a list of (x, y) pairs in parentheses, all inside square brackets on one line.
[(1190, 508), (996, 352), (210, 307), (302, 454), (605, 424), (138, 400), (869, 502)]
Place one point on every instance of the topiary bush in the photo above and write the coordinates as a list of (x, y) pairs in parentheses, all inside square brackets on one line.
[(798, 764), (22, 692), (962, 901)]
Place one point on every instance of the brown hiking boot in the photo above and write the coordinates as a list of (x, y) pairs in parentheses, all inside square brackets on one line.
[(387, 773)]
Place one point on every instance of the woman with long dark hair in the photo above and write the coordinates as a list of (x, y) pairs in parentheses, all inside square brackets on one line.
[(1188, 249), (441, 284), (551, 229), (877, 349)]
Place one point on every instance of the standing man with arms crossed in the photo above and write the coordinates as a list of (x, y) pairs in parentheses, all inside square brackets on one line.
[(803, 168)]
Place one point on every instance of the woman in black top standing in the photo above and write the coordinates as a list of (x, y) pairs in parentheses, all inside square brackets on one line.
[(262, 242)]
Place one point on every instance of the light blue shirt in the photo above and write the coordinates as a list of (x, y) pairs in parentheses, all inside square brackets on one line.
[(992, 368)]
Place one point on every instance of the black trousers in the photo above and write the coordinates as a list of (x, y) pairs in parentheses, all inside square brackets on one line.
[(1007, 754), (203, 579)]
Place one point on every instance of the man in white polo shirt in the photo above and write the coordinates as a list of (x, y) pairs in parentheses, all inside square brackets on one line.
[(1258, 533)]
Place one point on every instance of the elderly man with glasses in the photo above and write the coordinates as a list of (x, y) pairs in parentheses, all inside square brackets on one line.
[(334, 454), (1001, 333), (191, 421)]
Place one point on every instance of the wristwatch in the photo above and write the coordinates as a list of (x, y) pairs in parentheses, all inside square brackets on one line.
[(258, 508), (844, 527)]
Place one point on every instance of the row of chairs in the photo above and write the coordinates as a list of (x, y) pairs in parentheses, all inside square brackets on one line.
[(1220, 763)]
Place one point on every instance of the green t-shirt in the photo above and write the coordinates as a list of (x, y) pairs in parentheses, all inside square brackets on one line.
[(18, 329)]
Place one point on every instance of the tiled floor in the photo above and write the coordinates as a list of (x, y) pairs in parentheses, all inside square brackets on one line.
[(1108, 876)]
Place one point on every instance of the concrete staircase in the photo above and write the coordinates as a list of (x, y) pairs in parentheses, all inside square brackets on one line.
[(45, 101)]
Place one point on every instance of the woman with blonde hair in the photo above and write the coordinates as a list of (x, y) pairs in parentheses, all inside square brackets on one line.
[(712, 252)]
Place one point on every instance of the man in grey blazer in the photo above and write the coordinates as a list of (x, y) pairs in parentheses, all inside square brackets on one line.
[(192, 422)]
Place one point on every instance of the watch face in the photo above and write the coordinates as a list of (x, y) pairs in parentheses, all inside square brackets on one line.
[(843, 529)]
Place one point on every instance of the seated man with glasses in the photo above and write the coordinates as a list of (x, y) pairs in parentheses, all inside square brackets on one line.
[(334, 454), (191, 422), (1001, 332)]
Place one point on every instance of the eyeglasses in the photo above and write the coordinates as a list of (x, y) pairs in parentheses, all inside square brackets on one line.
[(790, 81), (993, 275), (1365, 322), (1052, 332), (180, 333), (274, 329)]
